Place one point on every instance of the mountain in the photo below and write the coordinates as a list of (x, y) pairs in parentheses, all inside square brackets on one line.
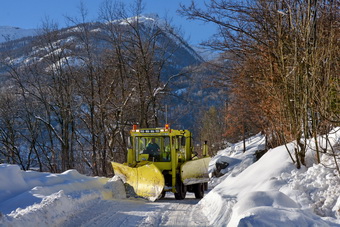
[(189, 92), (180, 53), (8, 33)]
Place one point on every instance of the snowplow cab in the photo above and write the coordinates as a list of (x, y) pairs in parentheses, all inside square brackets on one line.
[(162, 146), (160, 160)]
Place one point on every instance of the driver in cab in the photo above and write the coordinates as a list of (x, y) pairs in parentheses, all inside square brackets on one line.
[(152, 149)]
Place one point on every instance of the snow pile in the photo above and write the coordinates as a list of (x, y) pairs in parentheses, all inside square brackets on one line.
[(272, 192), (317, 188), (235, 157), (39, 199)]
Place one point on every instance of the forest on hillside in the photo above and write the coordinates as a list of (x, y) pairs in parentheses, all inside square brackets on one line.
[(71, 101), (283, 68)]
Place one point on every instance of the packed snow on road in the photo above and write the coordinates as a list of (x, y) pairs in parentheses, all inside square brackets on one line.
[(268, 192)]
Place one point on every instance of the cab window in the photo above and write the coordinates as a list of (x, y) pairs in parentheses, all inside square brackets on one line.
[(155, 149)]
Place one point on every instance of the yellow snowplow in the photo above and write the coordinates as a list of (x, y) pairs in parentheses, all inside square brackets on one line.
[(162, 160)]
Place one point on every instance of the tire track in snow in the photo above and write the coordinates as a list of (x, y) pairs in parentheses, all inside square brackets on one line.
[(112, 213), (164, 212), (184, 213)]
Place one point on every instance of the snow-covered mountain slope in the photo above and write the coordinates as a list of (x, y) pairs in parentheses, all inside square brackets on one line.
[(8, 33), (269, 192), (66, 48), (69, 42)]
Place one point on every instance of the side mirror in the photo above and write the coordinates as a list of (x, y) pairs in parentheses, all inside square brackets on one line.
[(129, 142)]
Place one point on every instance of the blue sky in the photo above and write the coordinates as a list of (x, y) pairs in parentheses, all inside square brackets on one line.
[(30, 13)]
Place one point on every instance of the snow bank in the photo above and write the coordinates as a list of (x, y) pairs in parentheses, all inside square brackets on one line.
[(38, 199), (52, 209), (317, 188), (271, 191)]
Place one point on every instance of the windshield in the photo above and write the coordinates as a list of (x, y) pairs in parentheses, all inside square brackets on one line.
[(156, 149)]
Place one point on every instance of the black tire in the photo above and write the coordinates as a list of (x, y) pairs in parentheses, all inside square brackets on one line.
[(205, 186), (181, 190), (162, 195), (199, 191)]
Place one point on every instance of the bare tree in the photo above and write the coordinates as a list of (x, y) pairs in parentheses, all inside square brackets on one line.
[(138, 54), (287, 42), (53, 86)]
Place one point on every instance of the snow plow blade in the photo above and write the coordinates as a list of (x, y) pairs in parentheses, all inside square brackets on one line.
[(144, 181), (195, 171)]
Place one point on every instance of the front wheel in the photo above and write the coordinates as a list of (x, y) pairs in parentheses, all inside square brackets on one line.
[(181, 190), (162, 195), (199, 191)]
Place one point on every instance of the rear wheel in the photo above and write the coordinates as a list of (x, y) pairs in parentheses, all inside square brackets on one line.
[(181, 190), (199, 191)]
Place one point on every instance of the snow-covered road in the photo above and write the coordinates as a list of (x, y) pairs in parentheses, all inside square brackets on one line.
[(163, 212), (182, 212)]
